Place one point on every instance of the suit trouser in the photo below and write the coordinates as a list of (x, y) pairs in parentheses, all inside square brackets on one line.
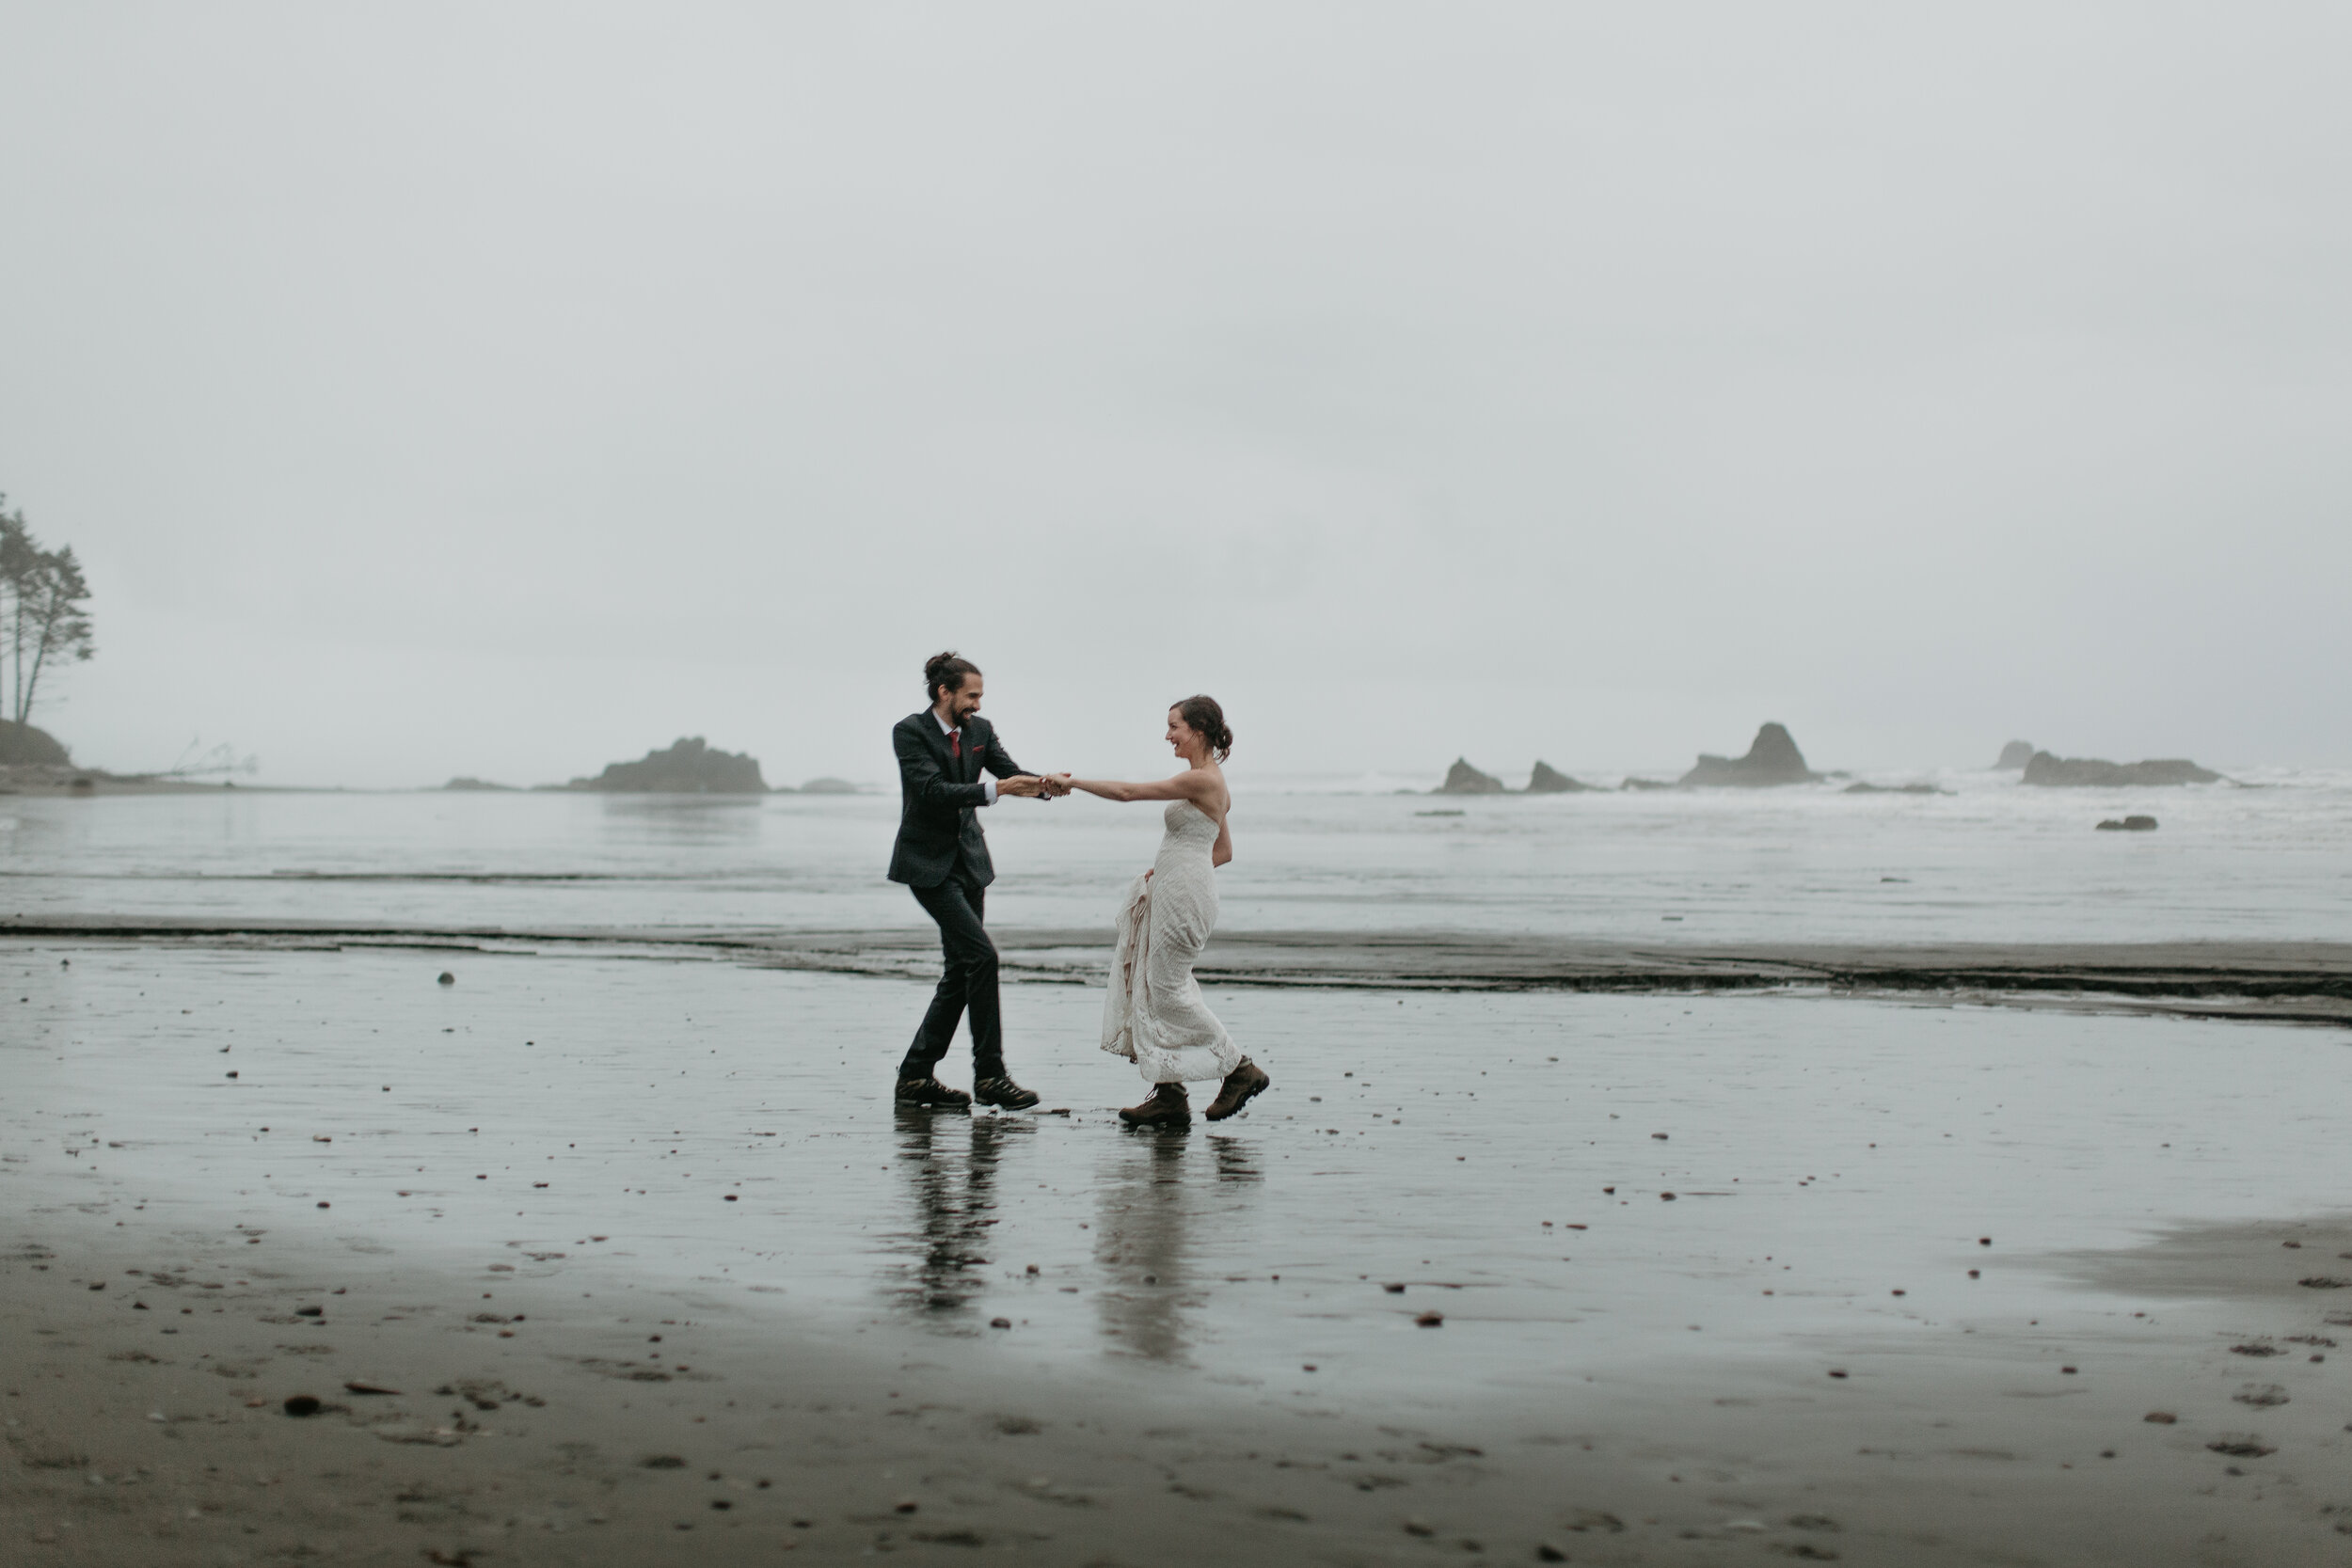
[(968, 985)]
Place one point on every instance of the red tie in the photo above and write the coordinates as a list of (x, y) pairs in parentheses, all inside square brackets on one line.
[(955, 744)]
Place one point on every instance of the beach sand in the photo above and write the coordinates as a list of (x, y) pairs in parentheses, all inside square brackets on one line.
[(1208, 1361)]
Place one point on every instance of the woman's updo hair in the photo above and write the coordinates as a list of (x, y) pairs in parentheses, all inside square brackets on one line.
[(1207, 721), (946, 670)]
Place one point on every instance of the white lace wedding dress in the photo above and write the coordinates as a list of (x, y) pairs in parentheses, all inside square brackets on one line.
[(1154, 1016)]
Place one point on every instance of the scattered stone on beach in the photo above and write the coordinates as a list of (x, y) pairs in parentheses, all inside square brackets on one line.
[(1462, 779), (2264, 1394), (662, 1462), (1838, 1372), (354, 1385), (1546, 1552), (2242, 1447), (2324, 1282), (2162, 1417), (446, 978), (2258, 1347), (303, 1405), (1430, 1319), (2098, 773), (2129, 825), (2015, 754), (1000, 1323), (1772, 758)]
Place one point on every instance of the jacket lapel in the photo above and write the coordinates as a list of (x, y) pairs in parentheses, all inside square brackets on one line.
[(958, 768)]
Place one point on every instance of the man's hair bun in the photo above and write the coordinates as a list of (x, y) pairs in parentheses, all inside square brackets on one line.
[(946, 670)]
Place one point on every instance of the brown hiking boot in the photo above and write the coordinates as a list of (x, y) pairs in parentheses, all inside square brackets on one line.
[(1165, 1106), (1242, 1085), (929, 1091), (1003, 1093)]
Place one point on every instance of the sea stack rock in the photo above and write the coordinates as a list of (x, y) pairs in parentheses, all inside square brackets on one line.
[(2128, 825), (1771, 759), (1462, 779), (2015, 754), (22, 746), (690, 768), (2097, 773), (1547, 780)]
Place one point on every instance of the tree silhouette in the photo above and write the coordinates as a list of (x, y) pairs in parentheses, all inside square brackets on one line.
[(44, 621)]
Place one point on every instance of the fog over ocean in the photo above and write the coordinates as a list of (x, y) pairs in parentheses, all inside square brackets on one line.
[(1989, 862)]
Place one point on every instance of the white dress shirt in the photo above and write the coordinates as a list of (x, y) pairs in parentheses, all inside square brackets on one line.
[(988, 785)]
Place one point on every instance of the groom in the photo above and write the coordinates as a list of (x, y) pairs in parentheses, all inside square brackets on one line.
[(943, 857)]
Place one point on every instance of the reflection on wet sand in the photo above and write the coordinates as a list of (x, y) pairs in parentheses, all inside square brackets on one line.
[(1154, 1189), (950, 1162)]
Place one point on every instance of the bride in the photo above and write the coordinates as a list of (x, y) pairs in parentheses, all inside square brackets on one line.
[(1154, 1016)]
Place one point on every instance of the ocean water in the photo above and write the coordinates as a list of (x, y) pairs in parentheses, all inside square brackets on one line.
[(1989, 862)]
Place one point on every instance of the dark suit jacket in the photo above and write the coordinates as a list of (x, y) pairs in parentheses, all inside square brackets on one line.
[(939, 797)]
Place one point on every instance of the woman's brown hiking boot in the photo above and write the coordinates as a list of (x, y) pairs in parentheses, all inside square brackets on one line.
[(1242, 1084), (1165, 1106)]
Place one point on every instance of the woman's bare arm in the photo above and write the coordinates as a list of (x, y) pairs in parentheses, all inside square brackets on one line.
[(1195, 783), (1223, 849)]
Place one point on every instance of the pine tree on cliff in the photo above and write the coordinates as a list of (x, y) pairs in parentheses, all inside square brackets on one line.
[(42, 618)]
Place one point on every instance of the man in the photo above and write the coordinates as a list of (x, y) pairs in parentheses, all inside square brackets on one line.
[(943, 857)]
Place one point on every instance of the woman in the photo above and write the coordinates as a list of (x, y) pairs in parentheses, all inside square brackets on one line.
[(1155, 1017)]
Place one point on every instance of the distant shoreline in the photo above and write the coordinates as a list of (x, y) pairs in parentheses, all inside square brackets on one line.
[(2306, 982)]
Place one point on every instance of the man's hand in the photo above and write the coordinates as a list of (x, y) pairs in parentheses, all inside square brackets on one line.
[(1021, 783), (1056, 786)]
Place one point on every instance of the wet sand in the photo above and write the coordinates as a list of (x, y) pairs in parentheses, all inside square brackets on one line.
[(1619, 1376)]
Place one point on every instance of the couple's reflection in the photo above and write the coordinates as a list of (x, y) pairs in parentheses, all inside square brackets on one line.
[(1159, 1187), (950, 1164), (1168, 1203)]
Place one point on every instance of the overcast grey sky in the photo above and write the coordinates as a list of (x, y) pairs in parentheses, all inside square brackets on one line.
[(505, 389)]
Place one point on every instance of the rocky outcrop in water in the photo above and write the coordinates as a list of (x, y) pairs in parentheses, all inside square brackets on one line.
[(2098, 773), (1462, 779), (1772, 759), (22, 746), (465, 783), (691, 767), (2015, 754), (829, 786), (2128, 825), (1547, 780)]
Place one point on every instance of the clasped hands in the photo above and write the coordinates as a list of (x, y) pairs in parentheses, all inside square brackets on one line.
[(1048, 787)]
